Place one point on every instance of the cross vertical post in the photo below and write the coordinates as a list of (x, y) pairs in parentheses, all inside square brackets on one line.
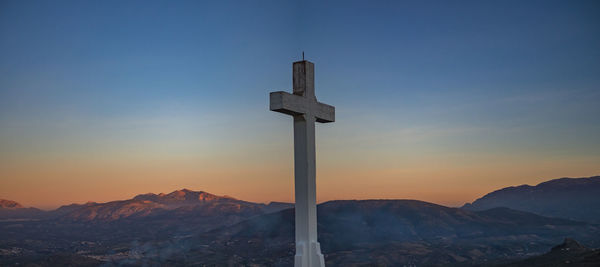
[(306, 110)]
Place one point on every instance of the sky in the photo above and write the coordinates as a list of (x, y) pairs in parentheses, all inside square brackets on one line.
[(435, 100)]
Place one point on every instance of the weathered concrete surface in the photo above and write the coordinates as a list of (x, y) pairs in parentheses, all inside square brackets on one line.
[(306, 110)]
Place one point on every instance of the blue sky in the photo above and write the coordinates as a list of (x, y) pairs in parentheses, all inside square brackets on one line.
[(474, 94)]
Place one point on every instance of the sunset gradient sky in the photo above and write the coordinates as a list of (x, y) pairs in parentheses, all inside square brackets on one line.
[(435, 100)]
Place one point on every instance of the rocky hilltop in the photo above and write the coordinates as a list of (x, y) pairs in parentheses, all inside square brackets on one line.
[(163, 206)]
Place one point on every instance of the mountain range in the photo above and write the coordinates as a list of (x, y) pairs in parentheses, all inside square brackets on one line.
[(188, 227), (179, 203)]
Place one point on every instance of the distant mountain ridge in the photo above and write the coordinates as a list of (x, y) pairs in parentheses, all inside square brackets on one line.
[(177, 204), (9, 204), (174, 203), (12, 209), (571, 198), (182, 197)]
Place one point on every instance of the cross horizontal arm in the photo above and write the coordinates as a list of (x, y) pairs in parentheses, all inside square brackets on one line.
[(324, 113), (287, 103), (297, 105)]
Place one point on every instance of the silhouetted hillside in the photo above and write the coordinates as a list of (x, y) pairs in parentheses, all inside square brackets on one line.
[(571, 198)]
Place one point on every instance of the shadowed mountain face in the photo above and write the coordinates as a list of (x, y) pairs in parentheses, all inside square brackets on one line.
[(572, 198), (389, 233)]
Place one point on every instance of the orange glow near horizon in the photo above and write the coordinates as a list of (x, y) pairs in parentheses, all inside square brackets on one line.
[(59, 182)]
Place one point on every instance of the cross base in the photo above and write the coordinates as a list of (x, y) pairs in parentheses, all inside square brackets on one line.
[(308, 257)]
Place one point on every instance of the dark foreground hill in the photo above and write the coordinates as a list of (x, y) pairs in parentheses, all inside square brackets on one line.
[(572, 198), (570, 253), (390, 233)]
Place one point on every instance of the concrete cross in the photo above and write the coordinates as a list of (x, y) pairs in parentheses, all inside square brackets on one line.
[(306, 110)]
